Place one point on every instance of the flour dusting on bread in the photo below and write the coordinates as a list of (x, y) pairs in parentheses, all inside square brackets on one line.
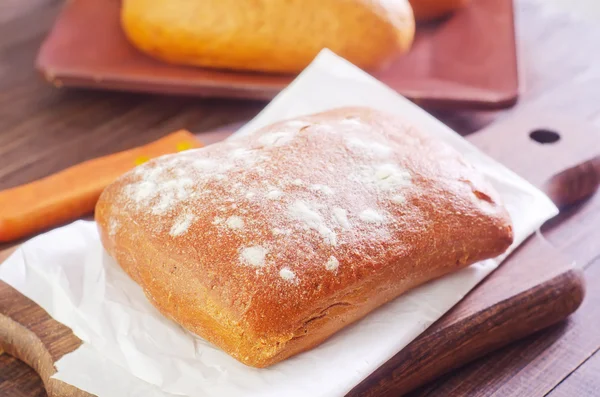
[(182, 224), (341, 217), (254, 256), (321, 189), (253, 181), (370, 148), (371, 216), (287, 274), (398, 199), (276, 138), (274, 194), (302, 212), (235, 222), (113, 226), (313, 221), (332, 264)]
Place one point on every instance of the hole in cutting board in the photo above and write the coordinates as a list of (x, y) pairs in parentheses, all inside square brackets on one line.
[(543, 136)]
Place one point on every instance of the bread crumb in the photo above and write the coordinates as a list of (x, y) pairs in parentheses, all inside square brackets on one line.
[(341, 217), (254, 256), (371, 216), (249, 195), (297, 182), (182, 224), (287, 274), (235, 222), (332, 264)]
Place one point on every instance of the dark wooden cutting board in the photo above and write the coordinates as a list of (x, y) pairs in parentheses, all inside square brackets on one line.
[(535, 287)]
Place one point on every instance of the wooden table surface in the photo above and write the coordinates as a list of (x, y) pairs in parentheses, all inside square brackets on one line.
[(43, 130)]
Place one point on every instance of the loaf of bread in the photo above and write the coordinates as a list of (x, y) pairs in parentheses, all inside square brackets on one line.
[(267, 244), (268, 35), (427, 10)]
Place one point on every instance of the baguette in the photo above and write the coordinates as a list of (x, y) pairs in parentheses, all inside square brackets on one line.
[(268, 35)]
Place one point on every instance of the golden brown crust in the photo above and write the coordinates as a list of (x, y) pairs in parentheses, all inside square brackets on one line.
[(427, 10), (268, 35), (265, 245)]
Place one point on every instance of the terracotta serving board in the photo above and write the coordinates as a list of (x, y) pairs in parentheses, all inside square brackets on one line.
[(534, 288), (467, 60)]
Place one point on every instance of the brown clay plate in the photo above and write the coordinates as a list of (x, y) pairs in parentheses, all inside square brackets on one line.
[(467, 60)]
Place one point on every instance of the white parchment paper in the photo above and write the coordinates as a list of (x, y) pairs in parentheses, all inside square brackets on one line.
[(130, 349)]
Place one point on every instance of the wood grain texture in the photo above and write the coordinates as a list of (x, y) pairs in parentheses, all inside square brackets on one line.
[(41, 133), (584, 382), (16, 379)]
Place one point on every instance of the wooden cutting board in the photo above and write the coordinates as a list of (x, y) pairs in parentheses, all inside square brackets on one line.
[(536, 287)]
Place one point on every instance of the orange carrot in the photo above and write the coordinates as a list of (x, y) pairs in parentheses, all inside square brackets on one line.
[(72, 193)]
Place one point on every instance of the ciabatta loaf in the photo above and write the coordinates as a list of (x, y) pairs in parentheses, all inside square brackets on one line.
[(266, 245)]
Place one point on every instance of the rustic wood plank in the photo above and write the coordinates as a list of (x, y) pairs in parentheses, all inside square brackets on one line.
[(585, 381)]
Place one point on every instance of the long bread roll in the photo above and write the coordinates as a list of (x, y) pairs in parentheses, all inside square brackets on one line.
[(268, 35)]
